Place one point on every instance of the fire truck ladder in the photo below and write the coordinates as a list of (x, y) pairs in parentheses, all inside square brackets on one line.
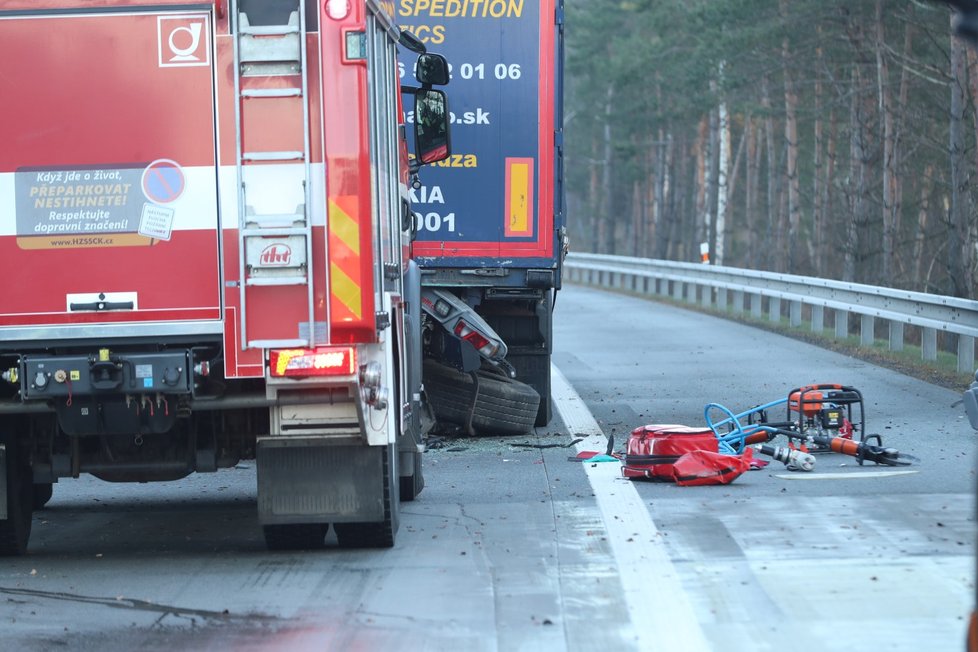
[(275, 249)]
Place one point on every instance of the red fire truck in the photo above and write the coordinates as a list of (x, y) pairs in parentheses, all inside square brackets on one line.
[(204, 227)]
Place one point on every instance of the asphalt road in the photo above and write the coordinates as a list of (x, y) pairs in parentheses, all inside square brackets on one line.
[(512, 546)]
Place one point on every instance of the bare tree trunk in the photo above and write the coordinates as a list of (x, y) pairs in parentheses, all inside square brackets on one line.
[(676, 207), (706, 230), (606, 243), (791, 157), (664, 198), (688, 220), (709, 216), (818, 176), (857, 184), (702, 176), (918, 240), (958, 249), (972, 236), (889, 151), (898, 139), (723, 166), (857, 177), (632, 243), (773, 175), (594, 196), (754, 153), (973, 88), (646, 193), (650, 187), (735, 168), (826, 253), (729, 233)]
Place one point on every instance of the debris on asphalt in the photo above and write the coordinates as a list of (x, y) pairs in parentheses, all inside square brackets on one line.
[(823, 418)]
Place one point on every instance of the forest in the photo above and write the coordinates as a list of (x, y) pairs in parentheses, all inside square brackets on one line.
[(828, 138)]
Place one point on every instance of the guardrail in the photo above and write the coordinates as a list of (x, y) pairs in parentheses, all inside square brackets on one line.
[(739, 290)]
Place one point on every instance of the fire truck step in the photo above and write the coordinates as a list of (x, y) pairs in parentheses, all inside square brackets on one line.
[(269, 46), (273, 156), (272, 92), (271, 221), (269, 30), (270, 231), (276, 280)]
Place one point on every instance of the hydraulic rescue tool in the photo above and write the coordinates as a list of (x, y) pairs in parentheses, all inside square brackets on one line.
[(820, 418), (863, 451)]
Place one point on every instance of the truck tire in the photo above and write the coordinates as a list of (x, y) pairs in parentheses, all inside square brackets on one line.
[(534, 370), (503, 406), (379, 534), (303, 536), (42, 494), (15, 530), (412, 485)]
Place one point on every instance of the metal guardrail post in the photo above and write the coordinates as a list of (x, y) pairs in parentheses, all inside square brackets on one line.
[(966, 354), (896, 336), (928, 344), (818, 319), (794, 314), (774, 309), (841, 324), (867, 330), (738, 302)]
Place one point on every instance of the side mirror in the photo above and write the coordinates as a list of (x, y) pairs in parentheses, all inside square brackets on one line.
[(431, 69), (432, 138)]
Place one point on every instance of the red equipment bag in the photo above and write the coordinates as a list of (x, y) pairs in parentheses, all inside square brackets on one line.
[(706, 467), (652, 450)]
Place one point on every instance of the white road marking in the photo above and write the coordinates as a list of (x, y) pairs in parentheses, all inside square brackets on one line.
[(660, 610), (842, 476)]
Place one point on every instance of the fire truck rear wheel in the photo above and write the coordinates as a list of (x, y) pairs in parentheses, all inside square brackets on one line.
[(503, 407), (16, 529), (42, 494), (304, 536)]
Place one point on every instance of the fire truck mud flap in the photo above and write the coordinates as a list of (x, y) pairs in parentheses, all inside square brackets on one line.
[(304, 484), (16, 500), (413, 483)]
